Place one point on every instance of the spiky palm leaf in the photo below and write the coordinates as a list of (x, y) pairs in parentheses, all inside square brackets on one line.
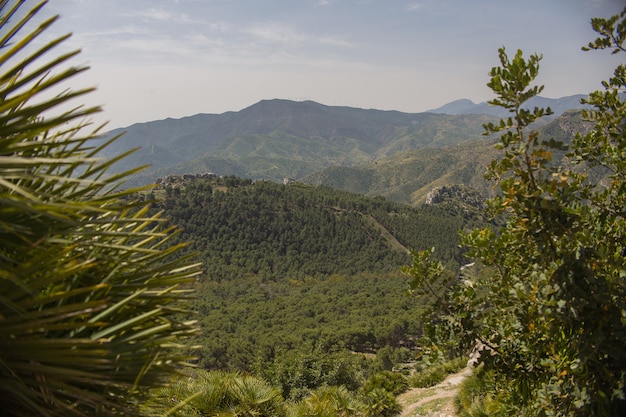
[(217, 393), (90, 300), (325, 401)]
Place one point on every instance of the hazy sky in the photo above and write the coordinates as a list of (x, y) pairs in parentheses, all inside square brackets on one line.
[(152, 59)]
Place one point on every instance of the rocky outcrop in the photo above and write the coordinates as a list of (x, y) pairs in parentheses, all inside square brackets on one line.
[(464, 196)]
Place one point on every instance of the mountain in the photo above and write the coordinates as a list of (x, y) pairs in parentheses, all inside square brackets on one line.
[(462, 106), (410, 176), (277, 139), (407, 178), (274, 139), (465, 106)]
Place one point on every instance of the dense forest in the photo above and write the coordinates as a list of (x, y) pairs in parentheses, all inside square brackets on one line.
[(240, 227), (294, 267)]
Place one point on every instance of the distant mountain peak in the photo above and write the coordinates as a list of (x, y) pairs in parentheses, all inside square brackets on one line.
[(460, 106), (466, 106)]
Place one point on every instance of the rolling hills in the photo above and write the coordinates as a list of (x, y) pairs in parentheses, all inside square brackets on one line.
[(274, 139), (277, 139), (408, 177), (313, 270)]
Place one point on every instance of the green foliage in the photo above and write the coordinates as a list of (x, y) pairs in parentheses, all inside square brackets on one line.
[(428, 376), (216, 393), (333, 401), (290, 267), (483, 394), (549, 315), (246, 320), (298, 372), (201, 393), (277, 232), (435, 286), (393, 382), (383, 357), (90, 296), (328, 401), (381, 403), (423, 272), (612, 31), (274, 231)]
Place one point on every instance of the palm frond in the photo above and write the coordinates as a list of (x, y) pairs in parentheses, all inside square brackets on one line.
[(92, 302)]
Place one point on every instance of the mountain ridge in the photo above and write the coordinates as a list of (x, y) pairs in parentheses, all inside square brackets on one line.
[(276, 139), (409, 177), (466, 106)]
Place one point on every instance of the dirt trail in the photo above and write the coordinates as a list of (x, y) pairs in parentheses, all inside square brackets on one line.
[(437, 401)]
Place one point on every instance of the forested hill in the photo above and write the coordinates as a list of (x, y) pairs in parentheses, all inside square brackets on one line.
[(275, 231), (290, 269)]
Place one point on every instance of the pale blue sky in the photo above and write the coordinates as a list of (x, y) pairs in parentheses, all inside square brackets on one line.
[(152, 59)]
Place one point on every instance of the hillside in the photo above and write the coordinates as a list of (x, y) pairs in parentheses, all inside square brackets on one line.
[(274, 139), (408, 177), (262, 228), (286, 267)]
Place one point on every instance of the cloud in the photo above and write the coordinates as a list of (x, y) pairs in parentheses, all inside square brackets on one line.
[(162, 15), (126, 30), (412, 7), (333, 41), (288, 35), (155, 14), (274, 32), (160, 46)]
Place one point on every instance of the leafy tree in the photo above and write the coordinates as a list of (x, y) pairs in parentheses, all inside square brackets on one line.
[(90, 300), (298, 373), (550, 315), (383, 358)]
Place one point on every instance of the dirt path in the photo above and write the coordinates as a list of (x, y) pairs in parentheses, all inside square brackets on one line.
[(437, 401)]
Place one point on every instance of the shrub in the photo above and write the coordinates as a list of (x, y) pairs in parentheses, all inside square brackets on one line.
[(435, 374), (393, 382)]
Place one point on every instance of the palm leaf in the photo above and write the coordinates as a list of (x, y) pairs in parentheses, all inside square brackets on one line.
[(92, 303), (217, 393)]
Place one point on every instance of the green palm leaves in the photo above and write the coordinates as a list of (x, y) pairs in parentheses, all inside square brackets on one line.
[(216, 393), (90, 298)]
